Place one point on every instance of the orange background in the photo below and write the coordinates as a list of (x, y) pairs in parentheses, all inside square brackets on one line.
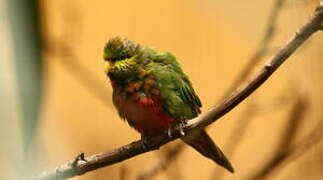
[(212, 41)]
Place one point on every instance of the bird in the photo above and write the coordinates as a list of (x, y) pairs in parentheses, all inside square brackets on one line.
[(153, 94)]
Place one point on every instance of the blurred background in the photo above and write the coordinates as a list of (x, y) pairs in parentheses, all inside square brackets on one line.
[(55, 100)]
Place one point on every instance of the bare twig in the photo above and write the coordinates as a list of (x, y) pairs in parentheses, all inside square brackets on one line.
[(62, 49), (293, 153), (123, 173), (170, 155), (296, 116), (205, 119), (80, 72)]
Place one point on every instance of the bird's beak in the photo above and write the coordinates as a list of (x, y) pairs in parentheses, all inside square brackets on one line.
[(108, 65)]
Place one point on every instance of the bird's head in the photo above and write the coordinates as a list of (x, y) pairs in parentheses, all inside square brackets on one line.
[(119, 55)]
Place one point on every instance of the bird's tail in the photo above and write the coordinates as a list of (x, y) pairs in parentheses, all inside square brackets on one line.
[(202, 142)]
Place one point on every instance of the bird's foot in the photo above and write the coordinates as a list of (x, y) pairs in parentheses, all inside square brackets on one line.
[(181, 127)]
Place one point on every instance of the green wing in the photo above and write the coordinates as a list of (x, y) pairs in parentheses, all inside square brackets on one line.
[(188, 93), (178, 97)]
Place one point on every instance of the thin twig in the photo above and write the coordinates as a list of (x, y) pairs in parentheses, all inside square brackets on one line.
[(297, 151), (170, 155), (135, 148), (296, 116), (80, 72), (63, 51), (123, 173)]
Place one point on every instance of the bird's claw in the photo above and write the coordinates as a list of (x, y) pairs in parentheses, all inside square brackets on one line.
[(182, 131), (169, 132), (79, 157), (182, 125)]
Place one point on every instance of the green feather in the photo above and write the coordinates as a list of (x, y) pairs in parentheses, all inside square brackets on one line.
[(177, 94)]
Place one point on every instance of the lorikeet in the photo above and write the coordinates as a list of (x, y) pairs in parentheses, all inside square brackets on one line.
[(152, 93)]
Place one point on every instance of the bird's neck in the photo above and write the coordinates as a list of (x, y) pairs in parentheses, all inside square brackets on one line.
[(122, 71)]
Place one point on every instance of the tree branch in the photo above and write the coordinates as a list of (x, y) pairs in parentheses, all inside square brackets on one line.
[(135, 148)]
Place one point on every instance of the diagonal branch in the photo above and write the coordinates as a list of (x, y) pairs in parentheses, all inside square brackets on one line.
[(135, 148)]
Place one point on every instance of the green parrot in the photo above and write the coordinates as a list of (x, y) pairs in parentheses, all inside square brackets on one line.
[(152, 93)]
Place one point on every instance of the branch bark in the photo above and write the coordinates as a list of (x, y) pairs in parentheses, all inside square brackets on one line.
[(141, 146)]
